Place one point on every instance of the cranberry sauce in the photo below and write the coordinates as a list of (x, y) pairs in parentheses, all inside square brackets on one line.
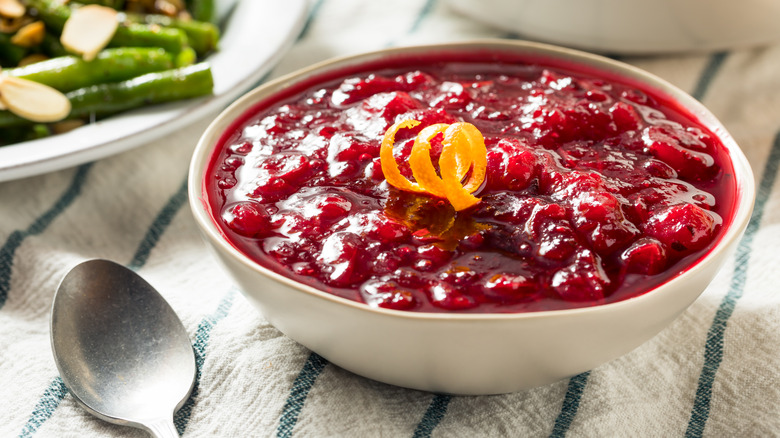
[(595, 191)]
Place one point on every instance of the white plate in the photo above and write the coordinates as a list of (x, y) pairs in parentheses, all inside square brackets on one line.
[(256, 35)]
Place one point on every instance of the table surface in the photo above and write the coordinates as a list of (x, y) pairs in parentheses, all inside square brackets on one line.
[(715, 371)]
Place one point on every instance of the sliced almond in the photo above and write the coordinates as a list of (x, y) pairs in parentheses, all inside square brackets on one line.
[(166, 7), (12, 8), (33, 101), (2, 78), (30, 35), (32, 59), (89, 29), (11, 25)]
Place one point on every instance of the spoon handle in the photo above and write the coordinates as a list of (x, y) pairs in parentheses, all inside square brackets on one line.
[(162, 428)]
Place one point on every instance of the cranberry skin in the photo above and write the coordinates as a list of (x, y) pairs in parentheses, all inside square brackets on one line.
[(542, 216), (390, 105), (282, 174), (386, 263), (557, 241), (496, 169), (688, 158), (284, 250), (388, 231), (340, 247), (339, 257), (659, 169), (414, 80), (448, 297), (509, 287), (599, 218), (351, 149), (332, 208), (433, 253), (582, 281), (683, 228), (459, 276), (426, 117), (408, 278), (248, 219), (645, 256), (520, 169), (625, 116), (356, 89), (452, 95), (387, 294)]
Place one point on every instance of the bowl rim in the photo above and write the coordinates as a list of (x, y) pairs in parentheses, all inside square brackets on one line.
[(744, 180)]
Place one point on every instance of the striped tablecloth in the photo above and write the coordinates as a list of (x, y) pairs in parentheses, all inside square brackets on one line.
[(714, 372)]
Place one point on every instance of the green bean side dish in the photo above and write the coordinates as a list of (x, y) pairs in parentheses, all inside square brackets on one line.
[(151, 59)]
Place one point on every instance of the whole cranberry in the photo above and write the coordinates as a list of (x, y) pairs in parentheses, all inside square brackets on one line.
[(683, 228), (509, 287), (248, 219), (645, 256), (449, 297), (583, 280), (387, 294)]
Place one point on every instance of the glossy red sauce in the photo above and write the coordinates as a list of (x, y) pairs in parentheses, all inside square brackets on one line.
[(596, 191)]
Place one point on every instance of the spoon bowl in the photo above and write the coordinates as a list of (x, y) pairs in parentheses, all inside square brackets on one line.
[(120, 348)]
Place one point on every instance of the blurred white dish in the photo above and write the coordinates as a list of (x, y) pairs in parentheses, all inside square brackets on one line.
[(256, 35), (633, 26)]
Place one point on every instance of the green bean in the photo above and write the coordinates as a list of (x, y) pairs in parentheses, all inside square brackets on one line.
[(51, 46), (203, 10), (201, 36), (68, 73), (186, 57), (55, 14), (144, 35), (148, 89), (24, 133), (10, 53), (102, 100)]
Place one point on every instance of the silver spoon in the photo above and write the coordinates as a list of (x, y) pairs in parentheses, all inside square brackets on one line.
[(120, 348)]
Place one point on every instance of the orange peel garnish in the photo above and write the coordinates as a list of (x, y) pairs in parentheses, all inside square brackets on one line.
[(387, 160), (463, 151), (421, 164)]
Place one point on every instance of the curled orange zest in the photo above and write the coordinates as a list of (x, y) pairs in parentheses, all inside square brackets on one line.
[(463, 151), (421, 164), (387, 160)]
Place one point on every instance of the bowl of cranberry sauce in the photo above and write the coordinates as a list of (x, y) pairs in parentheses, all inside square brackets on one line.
[(470, 218)]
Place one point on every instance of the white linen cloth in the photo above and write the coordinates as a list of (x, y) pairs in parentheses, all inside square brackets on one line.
[(714, 372)]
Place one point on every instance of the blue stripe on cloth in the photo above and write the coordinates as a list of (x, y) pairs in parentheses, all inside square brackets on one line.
[(202, 337), (713, 348), (433, 416), (16, 238), (52, 398), (298, 393), (571, 403), (158, 227), (315, 9), (708, 74), (425, 10)]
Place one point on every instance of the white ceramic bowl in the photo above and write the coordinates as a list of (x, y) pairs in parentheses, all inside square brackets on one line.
[(633, 26), (465, 353)]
